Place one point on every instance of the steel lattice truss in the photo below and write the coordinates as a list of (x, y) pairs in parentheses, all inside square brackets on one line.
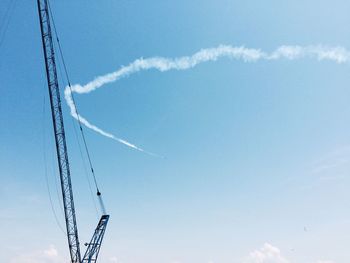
[(96, 240), (61, 147)]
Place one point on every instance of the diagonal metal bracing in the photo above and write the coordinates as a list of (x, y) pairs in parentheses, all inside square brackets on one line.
[(57, 118), (61, 149)]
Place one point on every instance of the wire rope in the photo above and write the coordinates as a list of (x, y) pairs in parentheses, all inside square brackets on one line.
[(76, 111), (46, 171), (80, 150)]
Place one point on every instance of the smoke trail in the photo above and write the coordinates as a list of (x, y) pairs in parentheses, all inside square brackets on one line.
[(335, 54), (73, 112)]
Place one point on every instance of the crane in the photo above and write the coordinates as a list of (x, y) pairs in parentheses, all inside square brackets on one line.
[(94, 246)]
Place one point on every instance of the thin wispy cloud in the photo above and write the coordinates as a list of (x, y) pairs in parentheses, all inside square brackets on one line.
[(49, 255), (267, 254), (271, 254), (334, 165), (162, 64)]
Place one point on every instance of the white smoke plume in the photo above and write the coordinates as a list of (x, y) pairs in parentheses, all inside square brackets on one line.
[(82, 120), (319, 52)]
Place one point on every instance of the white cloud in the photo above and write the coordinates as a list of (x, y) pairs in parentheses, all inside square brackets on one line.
[(267, 254), (271, 254), (49, 255), (113, 259), (289, 52), (334, 165)]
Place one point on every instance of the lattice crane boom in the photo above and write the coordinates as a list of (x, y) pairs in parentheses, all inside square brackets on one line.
[(93, 248), (61, 148)]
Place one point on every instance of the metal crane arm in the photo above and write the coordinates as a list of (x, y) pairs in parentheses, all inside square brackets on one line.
[(61, 149), (60, 139), (95, 244)]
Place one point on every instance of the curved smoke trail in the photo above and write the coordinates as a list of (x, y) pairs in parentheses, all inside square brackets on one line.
[(319, 52)]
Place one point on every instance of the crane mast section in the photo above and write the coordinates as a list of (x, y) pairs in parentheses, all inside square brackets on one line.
[(94, 246), (60, 139)]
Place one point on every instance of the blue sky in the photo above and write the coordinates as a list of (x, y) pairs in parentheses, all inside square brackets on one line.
[(256, 154)]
